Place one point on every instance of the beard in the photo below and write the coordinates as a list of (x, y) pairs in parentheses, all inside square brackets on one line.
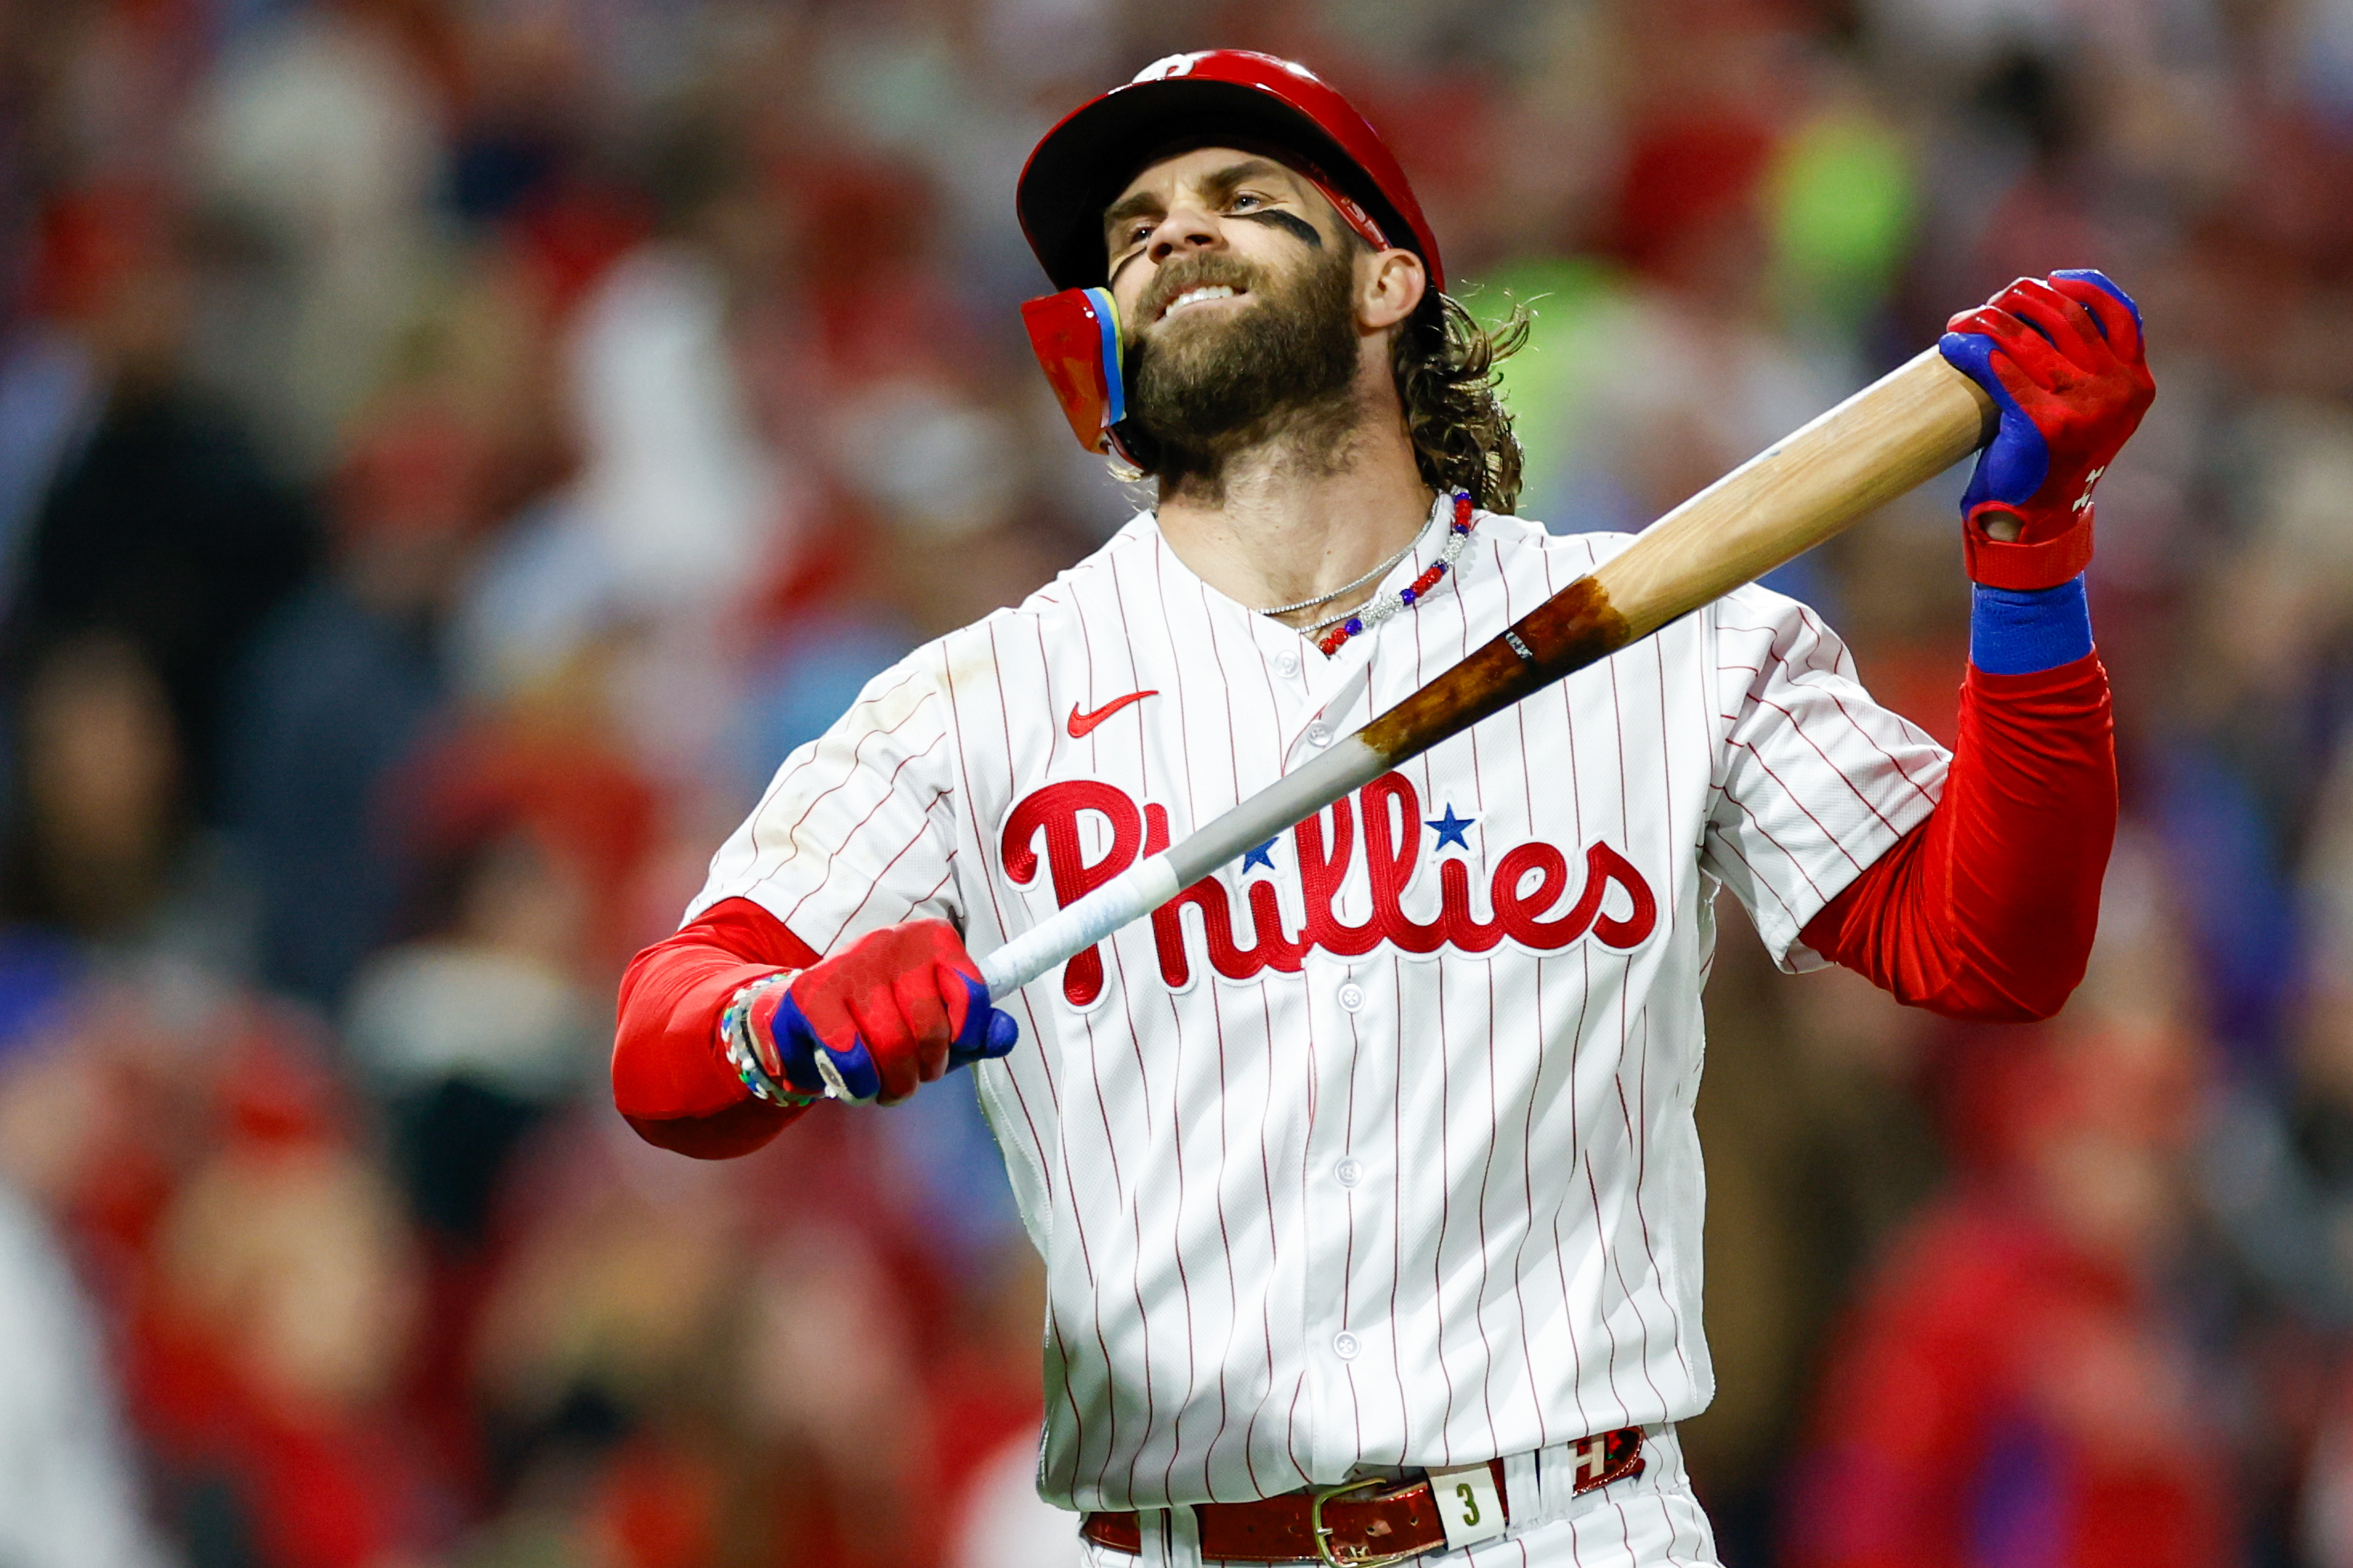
[(1284, 364)]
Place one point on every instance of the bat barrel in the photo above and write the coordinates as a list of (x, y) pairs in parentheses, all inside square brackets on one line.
[(1894, 436)]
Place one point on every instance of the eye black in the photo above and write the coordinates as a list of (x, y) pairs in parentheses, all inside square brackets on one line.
[(1298, 227)]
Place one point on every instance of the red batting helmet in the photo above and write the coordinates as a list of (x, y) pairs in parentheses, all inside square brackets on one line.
[(1212, 97)]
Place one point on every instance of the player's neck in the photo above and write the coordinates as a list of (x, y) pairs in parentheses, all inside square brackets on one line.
[(1279, 525)]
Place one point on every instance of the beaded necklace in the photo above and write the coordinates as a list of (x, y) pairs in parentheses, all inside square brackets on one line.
[(1333, 632)]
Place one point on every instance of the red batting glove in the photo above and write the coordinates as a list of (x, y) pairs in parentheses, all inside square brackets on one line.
[(2063, 359), (895, 1009)]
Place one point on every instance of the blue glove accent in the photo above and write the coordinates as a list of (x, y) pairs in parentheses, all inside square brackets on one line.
[(2013, 467), (988, 1031), (797, 1048), (2016, 632), (860, 1079)]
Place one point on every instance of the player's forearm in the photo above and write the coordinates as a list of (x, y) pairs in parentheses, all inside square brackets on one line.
[(1987, 911), (671, 1079)]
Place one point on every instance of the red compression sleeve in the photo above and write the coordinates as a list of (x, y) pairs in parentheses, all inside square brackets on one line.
[(671, 1078), (1986, 910)]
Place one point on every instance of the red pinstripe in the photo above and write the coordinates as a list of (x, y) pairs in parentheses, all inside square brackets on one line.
[(888, 867), (1761, 880), (1029, 1016), (1528, 1119), (1617, 719), (1103, 1107), (1799, 801), (1111, 1438), (881, 801), (792, 834), (1797, 725)]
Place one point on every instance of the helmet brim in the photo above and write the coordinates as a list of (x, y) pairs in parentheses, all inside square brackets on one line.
[(1083, 164)]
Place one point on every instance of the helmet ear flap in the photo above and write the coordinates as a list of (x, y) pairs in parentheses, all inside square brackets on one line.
[(1075, 335)]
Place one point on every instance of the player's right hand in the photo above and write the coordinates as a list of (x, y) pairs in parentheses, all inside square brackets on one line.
[(893, 1010)]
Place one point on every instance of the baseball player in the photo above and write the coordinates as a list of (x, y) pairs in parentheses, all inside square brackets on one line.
[(1364, 1171)]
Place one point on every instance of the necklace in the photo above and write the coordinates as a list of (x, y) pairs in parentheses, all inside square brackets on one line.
[(1339, 629), (1375, 575)]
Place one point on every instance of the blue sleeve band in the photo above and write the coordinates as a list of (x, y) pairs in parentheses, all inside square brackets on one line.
[(2015, 632)]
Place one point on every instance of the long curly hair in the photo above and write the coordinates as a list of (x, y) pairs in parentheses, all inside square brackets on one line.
[(1450, 382)]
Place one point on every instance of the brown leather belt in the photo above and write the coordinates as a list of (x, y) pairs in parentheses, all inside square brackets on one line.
[(1347, 1524)]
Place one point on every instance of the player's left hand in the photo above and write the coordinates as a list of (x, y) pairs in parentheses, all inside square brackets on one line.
[(2063, 358), (893, 1010)]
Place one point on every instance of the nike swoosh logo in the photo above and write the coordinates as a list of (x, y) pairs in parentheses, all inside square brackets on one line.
[(1081, 725)]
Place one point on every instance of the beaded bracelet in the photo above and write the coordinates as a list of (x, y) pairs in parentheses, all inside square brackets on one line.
[(735, 1035)]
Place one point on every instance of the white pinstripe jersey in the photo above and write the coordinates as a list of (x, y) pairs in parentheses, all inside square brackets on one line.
[(1377, 1148)]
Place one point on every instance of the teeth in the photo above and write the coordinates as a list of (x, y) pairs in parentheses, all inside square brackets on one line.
[(1195, 296)]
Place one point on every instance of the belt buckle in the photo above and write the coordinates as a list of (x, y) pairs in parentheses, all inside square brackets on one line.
[(1359, 1556)]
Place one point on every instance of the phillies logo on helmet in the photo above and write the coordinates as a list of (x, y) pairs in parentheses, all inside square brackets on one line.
[(1529, 883), (1167, 66)]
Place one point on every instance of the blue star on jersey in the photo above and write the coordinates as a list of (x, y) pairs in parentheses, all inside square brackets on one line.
[(1262, 856), (1450, 828)]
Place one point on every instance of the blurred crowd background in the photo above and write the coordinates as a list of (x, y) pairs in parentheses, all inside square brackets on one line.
[(451, 449)]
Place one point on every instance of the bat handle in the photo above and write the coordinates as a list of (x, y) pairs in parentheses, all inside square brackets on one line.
[(1347, 763), (1129, 896)]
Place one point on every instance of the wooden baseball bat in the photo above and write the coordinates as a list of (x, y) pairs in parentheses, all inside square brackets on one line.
[(1900, 431)]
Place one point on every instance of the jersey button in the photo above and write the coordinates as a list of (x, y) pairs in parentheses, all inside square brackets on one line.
[(1344, 1346), (1319, 733), (1352, 997), (1286, 663), (1348, 1173)]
